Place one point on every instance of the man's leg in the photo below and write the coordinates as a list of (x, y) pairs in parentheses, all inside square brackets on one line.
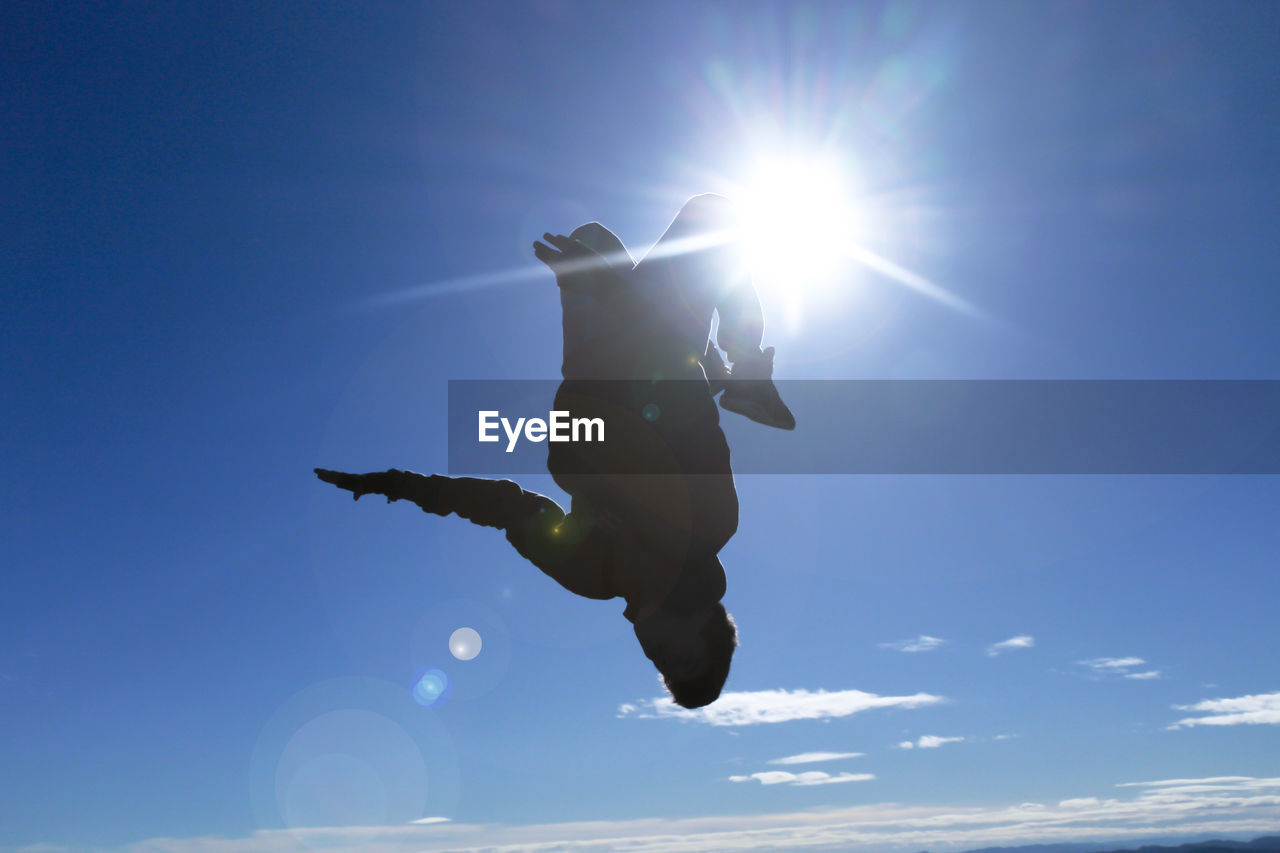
[(591, 267), (606, 244), (700, 262), (574, 552)]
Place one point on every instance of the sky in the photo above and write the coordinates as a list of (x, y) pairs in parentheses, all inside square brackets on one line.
[(243, 240)]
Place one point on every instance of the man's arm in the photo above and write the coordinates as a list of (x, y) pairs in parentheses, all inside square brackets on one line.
[(581, 269), (577, 559)]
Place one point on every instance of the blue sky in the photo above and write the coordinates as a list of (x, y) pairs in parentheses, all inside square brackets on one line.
[(244, 240)]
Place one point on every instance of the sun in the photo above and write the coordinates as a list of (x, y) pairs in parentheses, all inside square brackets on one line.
[(798, 222)]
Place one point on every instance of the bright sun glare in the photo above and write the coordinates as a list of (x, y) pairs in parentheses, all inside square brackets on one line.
[(799, 223)]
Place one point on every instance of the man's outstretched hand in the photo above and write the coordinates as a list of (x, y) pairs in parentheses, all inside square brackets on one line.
[(395, 484), (567, 256), (377, 483), (581, 269)]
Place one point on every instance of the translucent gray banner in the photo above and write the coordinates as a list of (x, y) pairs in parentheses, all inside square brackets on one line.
[(912, 427)]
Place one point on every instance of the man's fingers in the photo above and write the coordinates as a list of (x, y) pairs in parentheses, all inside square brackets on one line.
[(334, 477), (351, 482), (568, 245)]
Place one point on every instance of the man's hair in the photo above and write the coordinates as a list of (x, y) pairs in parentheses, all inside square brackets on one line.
[(719, 635)]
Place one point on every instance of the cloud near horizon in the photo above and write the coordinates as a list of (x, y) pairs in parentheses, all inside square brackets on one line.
[(929, 742), (1211, 805), (801, 780), (814, 757), (1021, 641), (1256, 709), (775, 706)]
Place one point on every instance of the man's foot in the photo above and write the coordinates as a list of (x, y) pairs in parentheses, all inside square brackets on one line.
[(750, 392)]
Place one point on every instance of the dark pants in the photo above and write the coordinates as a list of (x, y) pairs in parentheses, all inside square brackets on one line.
[(694, 270), (698, 266), (659, 491), (633, 360)]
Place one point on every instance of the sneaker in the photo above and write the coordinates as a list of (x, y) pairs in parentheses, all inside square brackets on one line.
[(750, 392)]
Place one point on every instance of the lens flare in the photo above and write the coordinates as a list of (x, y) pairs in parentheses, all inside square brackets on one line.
[(430, 687), (464, 643)]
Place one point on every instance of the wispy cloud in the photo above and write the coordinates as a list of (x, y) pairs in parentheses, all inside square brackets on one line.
[(1112, 664), (1213, 787), (1120, 667), (1022, 641), (1256, 709), (1146, 675), (923, 643), (928, 742), (1215, 805), (814, 757), (1227, 783), (776, 706), (427, 821), (1080, 803), (802, 780)]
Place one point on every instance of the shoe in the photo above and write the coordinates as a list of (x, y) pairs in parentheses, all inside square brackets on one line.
[(750, 392)]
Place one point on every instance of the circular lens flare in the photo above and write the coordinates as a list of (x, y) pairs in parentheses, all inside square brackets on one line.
[(464, 643), (430, 687)]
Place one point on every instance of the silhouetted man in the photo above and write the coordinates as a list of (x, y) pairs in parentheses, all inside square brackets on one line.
[(654, 504)]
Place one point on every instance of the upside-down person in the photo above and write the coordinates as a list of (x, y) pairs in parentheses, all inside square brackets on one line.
[(653, 504)]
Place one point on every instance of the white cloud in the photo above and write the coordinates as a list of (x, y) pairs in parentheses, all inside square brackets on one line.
[(1214, 806), (1148, 675), (1241, 710), (1080, 803), (928, 742), (1235, 781), (1022, 641), (1112, 664), (801, 780), (923, 643), (426, 821), (1108, 667), (777, 706), (814, 757)]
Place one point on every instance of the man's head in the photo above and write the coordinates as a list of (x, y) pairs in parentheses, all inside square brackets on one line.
[(692, 650)]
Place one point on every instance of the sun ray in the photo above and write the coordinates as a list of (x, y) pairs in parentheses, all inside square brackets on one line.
[(463, 284), (914, 281)]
